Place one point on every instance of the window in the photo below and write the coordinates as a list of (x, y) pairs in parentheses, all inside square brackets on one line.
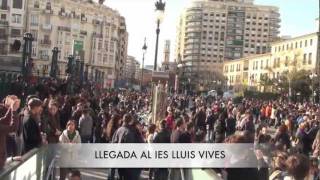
[(304, 59), (4, 3), (286, 61), (305, 43), (16, 18), (3, 17), (300, 44), (47, 20), (267, 63), (261, 64), (310, 42), (34, 34), (99, 45), (310, 59), (34, 51), (17, 4), (296, 44), (106, 45), (15, 32), (278, 63), (34, 20)]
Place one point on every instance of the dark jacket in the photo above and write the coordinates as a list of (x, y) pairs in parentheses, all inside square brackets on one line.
[(200, 120), (162, 137), (219, 131), (31, 134), (49, 125), (242, 173), (124, 135), (185, 137), (284, 139), (230, 126), (210, 120)]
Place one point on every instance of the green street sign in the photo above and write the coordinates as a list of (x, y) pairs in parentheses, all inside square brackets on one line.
[(77, 47)]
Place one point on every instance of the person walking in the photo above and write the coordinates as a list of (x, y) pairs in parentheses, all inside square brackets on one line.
[(163, 136), (85, 126), (50, 123)]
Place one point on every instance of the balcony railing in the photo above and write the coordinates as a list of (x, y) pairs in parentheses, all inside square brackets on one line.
[(44, 57), (4, 7), (45, 42), (4, 22), (47, 27), (3, 36), (48, 11), (63, 28), (84, 19), (34, 24)]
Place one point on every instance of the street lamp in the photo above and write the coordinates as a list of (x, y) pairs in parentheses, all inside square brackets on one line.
[(160, 7), (54, 63), (144, 51), (26, 56), (177, 81), (312, 76)]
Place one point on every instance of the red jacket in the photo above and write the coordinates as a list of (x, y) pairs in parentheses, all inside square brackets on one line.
[(170, 122)]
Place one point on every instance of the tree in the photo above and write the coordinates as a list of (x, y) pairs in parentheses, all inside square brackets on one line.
[(265, 82), (301, 84)]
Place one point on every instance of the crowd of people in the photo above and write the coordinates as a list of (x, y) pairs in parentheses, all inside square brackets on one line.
[(286, 134)]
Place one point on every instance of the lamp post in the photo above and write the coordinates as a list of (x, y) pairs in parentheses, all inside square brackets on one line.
[(312, 76), (70, 73), (54, 62), (177, 81), (144, 50), (160, 6), (26, 56)]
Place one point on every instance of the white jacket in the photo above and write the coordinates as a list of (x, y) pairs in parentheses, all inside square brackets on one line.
[(65, 139)]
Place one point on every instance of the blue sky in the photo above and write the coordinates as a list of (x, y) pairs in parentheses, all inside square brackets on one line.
[(297, 18)]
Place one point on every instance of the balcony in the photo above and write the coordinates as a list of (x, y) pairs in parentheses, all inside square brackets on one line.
[(44, 57), (48, 11), (62, 14), (84, 19), (95, 22), (83, 32), (4, 23), (3, 36), (47, 27), (34, 24), (45, 42), (4, 8), (63, 28)]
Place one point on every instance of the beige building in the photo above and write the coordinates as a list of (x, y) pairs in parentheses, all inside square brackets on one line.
[(132, 69), (287, 55), (213, 31), (299, 53), (12, 27), (95, 34)]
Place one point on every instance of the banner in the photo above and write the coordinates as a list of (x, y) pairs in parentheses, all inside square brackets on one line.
[(154, 155)]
